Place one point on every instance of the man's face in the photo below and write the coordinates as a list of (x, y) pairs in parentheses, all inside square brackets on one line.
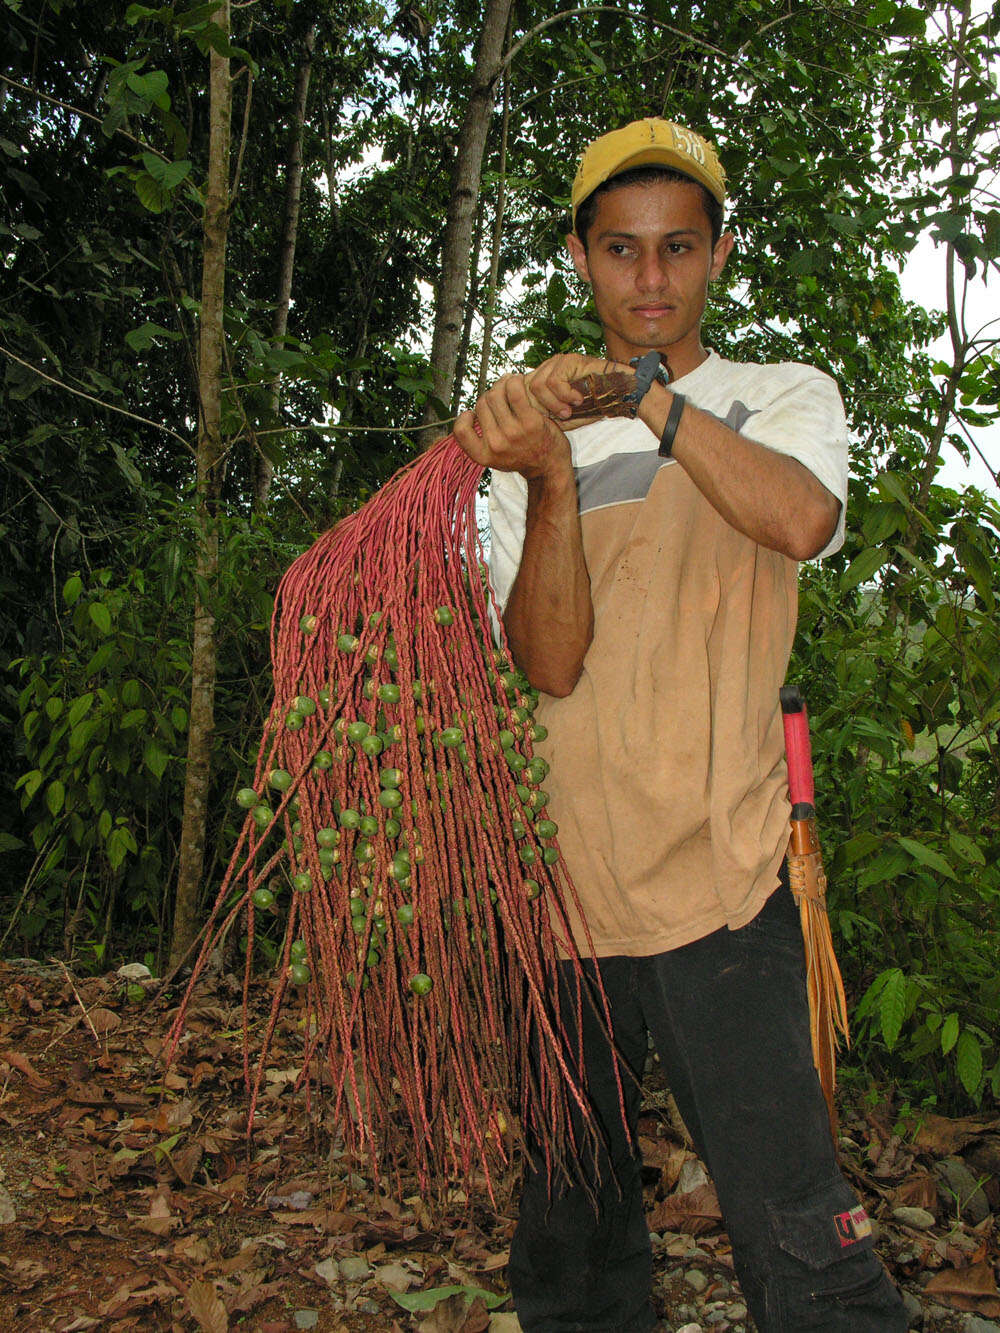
[(649, 260)]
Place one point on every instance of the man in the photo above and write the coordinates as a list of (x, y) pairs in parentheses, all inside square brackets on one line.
[(646, 572)]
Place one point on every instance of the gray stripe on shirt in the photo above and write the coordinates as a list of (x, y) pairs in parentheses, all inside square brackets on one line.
[(626, 477)]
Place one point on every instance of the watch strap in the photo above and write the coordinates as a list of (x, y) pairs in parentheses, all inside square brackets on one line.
[(673, 421)]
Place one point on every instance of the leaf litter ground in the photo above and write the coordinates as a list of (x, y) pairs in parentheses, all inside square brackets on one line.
[(130, 1199)]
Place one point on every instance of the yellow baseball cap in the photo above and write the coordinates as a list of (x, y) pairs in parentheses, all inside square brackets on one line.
[(649, 142)]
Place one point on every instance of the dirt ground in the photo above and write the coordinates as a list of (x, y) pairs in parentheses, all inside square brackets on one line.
[(130, 1198)]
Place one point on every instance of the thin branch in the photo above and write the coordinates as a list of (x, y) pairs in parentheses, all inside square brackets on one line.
[(60, 963), (489, 312), (622, 13), (84, 115), (110, 407), (994, 472), (243, 136), (355, 430), (562, 84), (28, 885), (63, 523)]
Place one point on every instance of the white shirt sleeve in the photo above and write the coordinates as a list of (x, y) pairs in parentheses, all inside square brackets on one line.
[(805, 419), (508, 509)]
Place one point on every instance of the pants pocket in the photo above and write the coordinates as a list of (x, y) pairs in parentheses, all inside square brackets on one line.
[(826, 1275)]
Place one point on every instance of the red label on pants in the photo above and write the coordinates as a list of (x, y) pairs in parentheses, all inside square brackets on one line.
[(852, 1226)]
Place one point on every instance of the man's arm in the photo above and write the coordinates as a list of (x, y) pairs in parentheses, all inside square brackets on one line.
[(549, 616), (768, 496)]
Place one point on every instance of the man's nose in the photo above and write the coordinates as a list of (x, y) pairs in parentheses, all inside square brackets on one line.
[(651, 272)]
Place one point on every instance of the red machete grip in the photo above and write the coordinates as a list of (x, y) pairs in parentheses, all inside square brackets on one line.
[(797, 749)]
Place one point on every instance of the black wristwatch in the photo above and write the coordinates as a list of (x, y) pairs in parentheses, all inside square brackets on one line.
[(647, 369)]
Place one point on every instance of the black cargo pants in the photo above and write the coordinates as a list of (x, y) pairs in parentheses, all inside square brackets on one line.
[(729, 1018)]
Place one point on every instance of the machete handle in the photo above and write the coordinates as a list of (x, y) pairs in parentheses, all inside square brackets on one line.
[(797, 749)]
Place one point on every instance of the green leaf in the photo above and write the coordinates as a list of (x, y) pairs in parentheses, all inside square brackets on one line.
[(120, 843), (101, 616), (427, 1300), (977, 564), (72, 589), (927, 856), (8, 843), (153, 196), (892, 1006), (30, 782), (964, 847), (155, 758), (166, 1146), (174, 173), (908, 23), (152, 87), (146, 336), (863, 567), (949, 225), (886, 866), (136, 13), (881, 13), (55, 795), (894, 486), (863, 844), (844, 223), (191, 19), (969, 1062), (949, 1033)]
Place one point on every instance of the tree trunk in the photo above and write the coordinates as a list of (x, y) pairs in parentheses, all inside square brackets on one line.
[(462, 360), (957, 332), (489, 313), (201, 721), (462, 206), (264, 468)]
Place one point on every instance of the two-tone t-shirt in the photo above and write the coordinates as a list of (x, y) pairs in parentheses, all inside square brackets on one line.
[(668, 778)]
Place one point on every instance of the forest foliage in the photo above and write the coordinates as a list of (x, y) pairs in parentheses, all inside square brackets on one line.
[(848, 130)]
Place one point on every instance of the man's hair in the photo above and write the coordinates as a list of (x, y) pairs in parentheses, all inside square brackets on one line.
[(639, 176)]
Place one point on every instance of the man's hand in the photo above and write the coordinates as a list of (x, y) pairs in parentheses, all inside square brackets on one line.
[(515, 436), (550, 384)]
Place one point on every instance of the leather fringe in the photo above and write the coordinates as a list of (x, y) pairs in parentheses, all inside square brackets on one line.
[(825, 986)]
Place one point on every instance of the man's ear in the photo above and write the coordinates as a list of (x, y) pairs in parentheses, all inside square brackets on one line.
[(579, 256), (723, 249)]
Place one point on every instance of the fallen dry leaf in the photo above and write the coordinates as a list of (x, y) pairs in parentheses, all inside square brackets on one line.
[(185, 1161), (24, 1066), (919, 1191), (397, 1276), (944, 1138), (452, 1315), (160, 1221), (972, 1289), (180, 1114), (132, 1295), (206, 1309), (667, 1157), (694, 1212), (22, 1273), (104, 1021)]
